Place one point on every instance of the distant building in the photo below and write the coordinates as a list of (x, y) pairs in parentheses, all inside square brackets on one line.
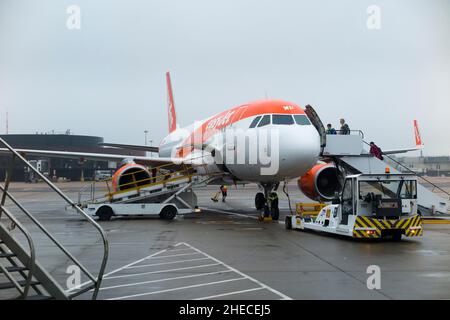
[(429, 166), (72, 169)]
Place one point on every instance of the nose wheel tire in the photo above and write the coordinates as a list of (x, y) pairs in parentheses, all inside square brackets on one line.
[(275, 212), (260, 201)]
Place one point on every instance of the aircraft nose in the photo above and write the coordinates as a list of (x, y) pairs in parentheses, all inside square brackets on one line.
[(299, 150)]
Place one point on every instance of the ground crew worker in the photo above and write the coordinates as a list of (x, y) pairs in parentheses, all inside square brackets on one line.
[(345, 129), (273, 199), (224, 190), (376, 151), (330, 129)]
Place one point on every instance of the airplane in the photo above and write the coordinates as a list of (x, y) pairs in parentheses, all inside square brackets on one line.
[(267, 142)]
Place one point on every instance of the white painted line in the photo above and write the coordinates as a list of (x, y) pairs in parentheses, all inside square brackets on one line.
[(283, 296), (119, 269), (176, 289), (229, 293), (176, 250), (163, 263), (166, 279), (160, 271), (232, 213), (174, 255)]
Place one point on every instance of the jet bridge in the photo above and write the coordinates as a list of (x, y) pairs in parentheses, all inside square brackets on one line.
[(348, 151)]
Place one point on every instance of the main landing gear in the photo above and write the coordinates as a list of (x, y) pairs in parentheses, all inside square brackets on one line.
[(268, 201)]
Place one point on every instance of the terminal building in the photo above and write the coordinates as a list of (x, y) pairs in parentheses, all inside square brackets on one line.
[(60, 168), (425, 166)]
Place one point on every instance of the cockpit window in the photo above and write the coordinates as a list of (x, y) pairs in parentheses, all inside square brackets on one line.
[(255, 122), (283, 119), (264, 121), (301, 119)]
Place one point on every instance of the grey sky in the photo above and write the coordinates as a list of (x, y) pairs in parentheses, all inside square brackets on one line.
[(107, 79)]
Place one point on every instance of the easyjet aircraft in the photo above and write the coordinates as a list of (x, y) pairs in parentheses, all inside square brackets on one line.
[(267, 142)]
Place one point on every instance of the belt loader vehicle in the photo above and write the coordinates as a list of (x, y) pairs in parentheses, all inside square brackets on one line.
[(369, 206)]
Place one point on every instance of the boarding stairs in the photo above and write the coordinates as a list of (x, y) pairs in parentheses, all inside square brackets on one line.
[(22, 276), (165, 186), (348, 151)]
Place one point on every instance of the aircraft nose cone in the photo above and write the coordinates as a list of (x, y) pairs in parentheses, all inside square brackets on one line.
[(299, 150)]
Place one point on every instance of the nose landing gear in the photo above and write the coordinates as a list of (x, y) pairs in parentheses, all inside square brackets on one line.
[(268, 202)]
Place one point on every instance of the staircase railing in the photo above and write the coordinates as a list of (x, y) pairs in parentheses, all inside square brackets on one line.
[(23, 290), (96, 281), (415, 173)]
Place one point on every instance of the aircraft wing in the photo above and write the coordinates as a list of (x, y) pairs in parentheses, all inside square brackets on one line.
[(151, 161), (395, 151), (129, 146)]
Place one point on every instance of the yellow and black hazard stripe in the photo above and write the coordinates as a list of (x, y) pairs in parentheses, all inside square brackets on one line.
[(366, 227), (415, 227)]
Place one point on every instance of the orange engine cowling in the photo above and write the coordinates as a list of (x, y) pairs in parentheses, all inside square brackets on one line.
[(321, 182), (130, 176)]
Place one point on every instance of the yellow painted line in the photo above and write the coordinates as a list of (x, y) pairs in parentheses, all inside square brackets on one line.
[(435, 221)]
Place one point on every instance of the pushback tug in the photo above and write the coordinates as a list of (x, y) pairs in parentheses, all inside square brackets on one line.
[(369, 206)]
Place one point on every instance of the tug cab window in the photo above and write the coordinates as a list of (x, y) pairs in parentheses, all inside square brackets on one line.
[(282, 119), (255, 122), (347, 201), (264, 121), (301, 120)]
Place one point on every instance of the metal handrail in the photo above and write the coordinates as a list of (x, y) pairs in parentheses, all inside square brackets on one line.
[(424, 179), (158, 181), (47, 233), (82, 191), (32, 260), (155, 178), (360, 132), (411, 171), (97, 281)]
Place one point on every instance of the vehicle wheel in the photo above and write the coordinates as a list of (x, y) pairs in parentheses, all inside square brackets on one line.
[(105, 213), (168, 213), (288, 223), (397, 237), (260, 201)]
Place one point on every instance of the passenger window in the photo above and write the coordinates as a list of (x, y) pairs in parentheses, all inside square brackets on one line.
[(255, 122), (284, 119), (302, 120), (264, 121)]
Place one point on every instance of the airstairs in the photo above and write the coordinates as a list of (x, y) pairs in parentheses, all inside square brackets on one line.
[(348, 151), (22, 276)]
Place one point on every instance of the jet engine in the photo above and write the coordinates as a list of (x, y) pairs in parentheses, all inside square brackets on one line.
[(321, 182), (129, 176)]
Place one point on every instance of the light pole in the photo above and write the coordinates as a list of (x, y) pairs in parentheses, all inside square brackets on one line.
[(151, 144), (145, 132)]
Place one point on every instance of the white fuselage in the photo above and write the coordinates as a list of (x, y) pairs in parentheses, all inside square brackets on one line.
[(270, 153)]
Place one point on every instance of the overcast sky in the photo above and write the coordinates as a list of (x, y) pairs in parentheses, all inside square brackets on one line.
[(107, 78)]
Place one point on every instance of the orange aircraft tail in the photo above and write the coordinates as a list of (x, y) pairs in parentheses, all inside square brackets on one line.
[(171, 105), (419, 142)]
